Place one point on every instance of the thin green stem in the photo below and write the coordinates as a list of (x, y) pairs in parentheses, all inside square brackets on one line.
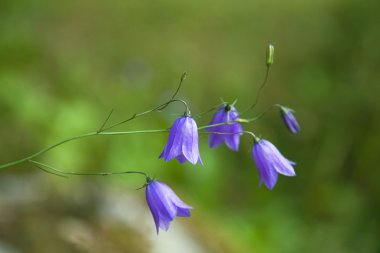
[(157, 108), (85, 174), (105, 122), (187, 112), (102, 130), (222, 133), (199, 115), (135, 132), (250, 133), (255, 138), (183, 77), (259, 116), (42, 151), (129, 119), (48, 171), (259, 91), (218, 124)]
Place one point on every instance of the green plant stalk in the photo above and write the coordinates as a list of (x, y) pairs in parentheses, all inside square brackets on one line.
[(42, 151)]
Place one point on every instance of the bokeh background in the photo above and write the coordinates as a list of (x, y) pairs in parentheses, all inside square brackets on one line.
[(65, 64)]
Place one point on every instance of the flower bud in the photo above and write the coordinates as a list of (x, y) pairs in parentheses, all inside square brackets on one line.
[(269, 55), (289, 119)]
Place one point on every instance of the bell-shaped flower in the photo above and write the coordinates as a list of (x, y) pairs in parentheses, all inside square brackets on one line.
[(229, 132), (270, 162), (183, 141), (164, 204), (289, 119)]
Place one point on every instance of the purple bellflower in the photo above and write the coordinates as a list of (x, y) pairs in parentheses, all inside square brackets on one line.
[(233, 130), (270, 162), (183, 141), (164, 204), (289, 119)]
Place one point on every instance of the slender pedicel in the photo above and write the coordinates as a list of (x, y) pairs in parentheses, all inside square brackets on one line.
[(108, 173), (269, 62), (102, 130), (157, 108)]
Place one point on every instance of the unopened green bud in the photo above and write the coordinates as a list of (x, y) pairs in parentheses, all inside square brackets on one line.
[(270, 53), (183, 77)]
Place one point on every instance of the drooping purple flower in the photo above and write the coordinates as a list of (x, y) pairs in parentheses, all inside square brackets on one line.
[(270, 162), (164, 204), (183, 141), (289, 119), (226, 133)]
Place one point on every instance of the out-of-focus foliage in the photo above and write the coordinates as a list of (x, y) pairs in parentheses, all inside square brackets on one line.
[(65, 64)]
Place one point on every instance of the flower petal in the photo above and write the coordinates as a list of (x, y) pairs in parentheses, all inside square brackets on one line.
[(164, 224), (181, 158), (276, 160), (174, 145), (215, 140), (183, 212), (233, 140), (266, 172), (157, 196), (152, 207), (219, 117), (190, 141)]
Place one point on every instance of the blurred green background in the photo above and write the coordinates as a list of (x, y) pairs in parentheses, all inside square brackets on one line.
[(65, 64)]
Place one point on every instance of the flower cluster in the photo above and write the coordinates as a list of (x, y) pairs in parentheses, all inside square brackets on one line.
[(224, 128)]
